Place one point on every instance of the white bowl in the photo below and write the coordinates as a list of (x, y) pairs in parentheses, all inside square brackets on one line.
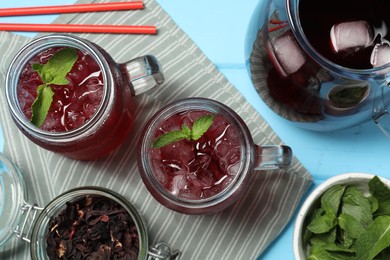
[(360, 179)]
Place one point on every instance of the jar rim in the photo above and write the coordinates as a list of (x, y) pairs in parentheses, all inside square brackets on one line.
[(31, 49), (197, 103), (37, 247)]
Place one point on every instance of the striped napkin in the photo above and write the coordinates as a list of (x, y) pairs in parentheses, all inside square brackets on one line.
[(242, 231)]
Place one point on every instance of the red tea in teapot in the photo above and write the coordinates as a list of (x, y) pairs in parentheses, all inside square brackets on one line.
[(353, 34)]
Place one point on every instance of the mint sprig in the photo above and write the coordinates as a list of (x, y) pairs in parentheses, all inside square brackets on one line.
[(52, 73), (350, 223), (200, 126)]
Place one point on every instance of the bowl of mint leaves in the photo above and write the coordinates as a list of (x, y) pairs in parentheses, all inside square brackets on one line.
[(345, 217)]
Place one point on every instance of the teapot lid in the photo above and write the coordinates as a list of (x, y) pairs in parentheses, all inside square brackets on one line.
[(12, 196)]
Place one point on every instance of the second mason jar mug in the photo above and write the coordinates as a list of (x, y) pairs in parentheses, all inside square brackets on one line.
[(69, 96), (196, 156)]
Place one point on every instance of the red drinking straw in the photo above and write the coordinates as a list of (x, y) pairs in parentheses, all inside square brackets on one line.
[(75, 28), (78, 28), (76, 8)]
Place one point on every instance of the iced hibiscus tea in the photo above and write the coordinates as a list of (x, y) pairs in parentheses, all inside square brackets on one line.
[(197, 169), (347, 32), (81, 104), (73, 104)]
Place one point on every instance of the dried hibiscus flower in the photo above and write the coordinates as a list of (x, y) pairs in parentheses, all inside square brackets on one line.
[(92, 227)]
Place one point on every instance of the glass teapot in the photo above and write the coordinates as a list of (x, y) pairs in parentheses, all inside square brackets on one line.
[(322, 64)]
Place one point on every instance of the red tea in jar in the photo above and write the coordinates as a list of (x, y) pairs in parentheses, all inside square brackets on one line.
[(195, 156), (74, 103), (69, 96), (197, 169)]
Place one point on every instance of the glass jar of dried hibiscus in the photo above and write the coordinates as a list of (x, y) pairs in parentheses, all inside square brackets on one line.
[(85, 222)]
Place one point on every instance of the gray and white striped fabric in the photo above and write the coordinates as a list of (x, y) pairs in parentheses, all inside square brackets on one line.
[(243, 231)]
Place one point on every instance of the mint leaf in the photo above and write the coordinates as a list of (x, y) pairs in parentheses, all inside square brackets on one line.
[(382, 194), (352, 227), (171, 137), (321, 252), (38, 68), (357, 205), (53, 72), (41, 105), (58, 66), (324, 238), (362, 226), (379, 189), (331, 199), (201, 125), (374, 240), (348, 97), (322, 224)]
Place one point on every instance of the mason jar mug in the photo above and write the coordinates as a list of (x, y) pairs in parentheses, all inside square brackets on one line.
[(92, 107)]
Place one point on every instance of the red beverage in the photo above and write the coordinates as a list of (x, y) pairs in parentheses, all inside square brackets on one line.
[(91, 115), (318, 17), (197, 169), (204, 158), (73, 104)]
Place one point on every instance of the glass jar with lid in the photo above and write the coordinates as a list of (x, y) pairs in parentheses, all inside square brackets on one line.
[(31, 223)]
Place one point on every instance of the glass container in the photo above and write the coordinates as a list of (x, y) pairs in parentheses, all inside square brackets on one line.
[(224, 161), (298, 77), (112, 121), (30, 223)]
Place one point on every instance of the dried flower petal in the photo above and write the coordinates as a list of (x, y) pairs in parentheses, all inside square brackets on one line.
[(92, 227)]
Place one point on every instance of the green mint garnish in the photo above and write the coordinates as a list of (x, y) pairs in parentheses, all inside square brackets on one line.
[(41, 104), (201, 125), (350, 223), (52, 73)]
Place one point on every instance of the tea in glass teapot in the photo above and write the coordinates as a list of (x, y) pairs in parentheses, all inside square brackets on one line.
[(324, 65)]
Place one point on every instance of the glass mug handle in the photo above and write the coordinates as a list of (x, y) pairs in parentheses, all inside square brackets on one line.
[(144, 73), (270, 157)]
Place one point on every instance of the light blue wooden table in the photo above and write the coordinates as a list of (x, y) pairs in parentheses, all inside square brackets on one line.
[(224, 30)]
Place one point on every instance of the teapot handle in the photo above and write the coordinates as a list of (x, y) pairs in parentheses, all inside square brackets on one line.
[(380, 112)]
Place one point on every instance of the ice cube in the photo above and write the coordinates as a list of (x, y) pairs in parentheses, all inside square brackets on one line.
[(50, 123), (201, 161), (233, 169), (178, 183), (380, 55), (289, 54), (207, 193), (205, 177), (89, 109), (190, 194), (175, 167), (353, 36), (158, 172), (222, 148), (193, 182)]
